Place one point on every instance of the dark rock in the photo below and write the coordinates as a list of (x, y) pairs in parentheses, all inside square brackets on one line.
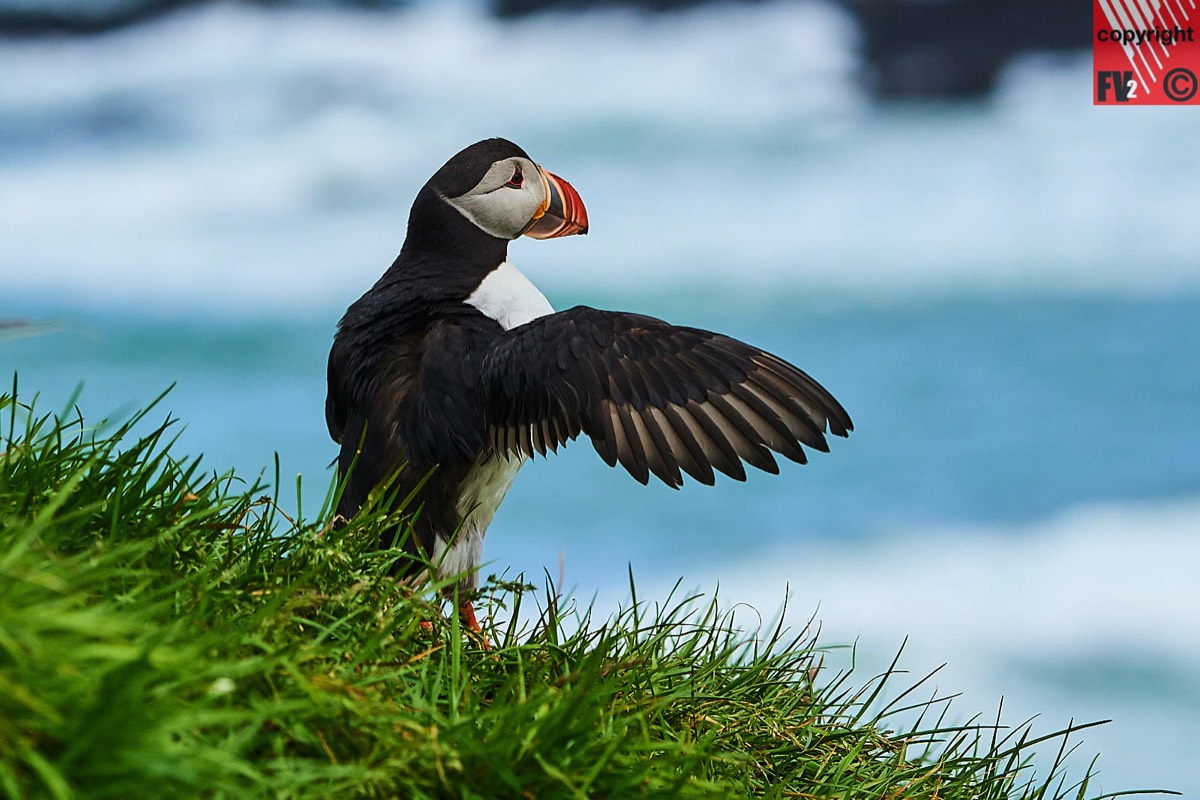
[(84, 17), (508, 9), (25, 20), (956, 48), (919, 48), (912, 48)]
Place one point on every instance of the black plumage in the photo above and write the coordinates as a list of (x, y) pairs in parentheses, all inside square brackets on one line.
[(654, 397), (420, 377)]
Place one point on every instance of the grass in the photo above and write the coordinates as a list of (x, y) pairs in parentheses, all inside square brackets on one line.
[(168, 632)]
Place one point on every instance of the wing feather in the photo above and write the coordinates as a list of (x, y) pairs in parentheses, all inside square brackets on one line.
[(742, 434), (724, 455), (634, 458), (695, 463), (776, 434), (657, 399), (659, 453)]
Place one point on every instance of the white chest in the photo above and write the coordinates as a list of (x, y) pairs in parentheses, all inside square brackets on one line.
[(508, 297), (483, 491)]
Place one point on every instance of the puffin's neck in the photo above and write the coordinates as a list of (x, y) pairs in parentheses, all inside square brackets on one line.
[(437, 231)]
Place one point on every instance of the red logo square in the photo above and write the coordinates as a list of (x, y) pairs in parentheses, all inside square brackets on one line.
[(1145, 53)]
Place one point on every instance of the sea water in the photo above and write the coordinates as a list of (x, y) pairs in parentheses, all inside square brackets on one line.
[(1005, 295)]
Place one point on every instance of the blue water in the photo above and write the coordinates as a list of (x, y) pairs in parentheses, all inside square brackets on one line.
[(988, 409), (1005, 296)]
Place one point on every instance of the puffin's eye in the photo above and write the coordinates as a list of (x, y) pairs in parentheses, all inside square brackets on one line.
[(517, 179)]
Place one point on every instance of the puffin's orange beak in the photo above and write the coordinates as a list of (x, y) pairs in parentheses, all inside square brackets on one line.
[(562, 214)]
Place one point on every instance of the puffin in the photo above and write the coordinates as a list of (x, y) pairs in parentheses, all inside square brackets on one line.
[(453, 370)]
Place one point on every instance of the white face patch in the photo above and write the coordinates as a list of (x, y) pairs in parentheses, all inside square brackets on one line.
[(499, 207), (508, 297)]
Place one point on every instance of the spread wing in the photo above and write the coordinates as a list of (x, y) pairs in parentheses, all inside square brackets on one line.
[(655, 397)]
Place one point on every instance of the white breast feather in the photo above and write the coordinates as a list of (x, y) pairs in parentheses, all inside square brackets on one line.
[(483, 491), (508, 297)]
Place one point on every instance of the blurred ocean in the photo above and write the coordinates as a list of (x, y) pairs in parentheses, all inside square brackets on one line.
[(1005, 295)]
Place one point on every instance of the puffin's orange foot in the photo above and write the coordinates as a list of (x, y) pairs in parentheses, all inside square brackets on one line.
[(466, 612)]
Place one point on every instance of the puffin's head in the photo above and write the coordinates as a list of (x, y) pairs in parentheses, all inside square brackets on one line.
[(496, 186)]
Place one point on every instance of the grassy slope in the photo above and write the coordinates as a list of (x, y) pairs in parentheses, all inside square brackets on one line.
[(167, 633)]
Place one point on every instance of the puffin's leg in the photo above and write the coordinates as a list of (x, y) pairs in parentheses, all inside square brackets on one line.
[(408, 584), (466, 612)]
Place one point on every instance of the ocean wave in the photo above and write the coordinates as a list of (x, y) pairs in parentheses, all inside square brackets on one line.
[(1082, 615), (1089, 579), (262, 162)]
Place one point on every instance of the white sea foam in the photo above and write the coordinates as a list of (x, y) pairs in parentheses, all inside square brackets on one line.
[(1090, 579), (264, 160), (1089, 615)]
